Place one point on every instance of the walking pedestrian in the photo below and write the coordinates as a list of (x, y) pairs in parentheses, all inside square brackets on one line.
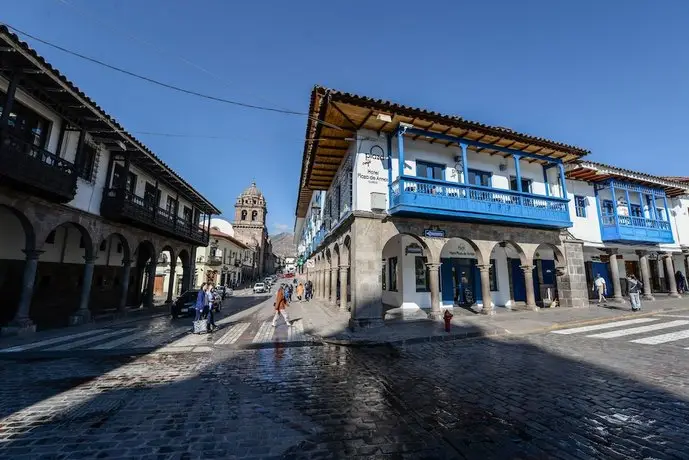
[(280, 305), (634, 287), (200, 301), (300, 292), (307, 291), (210, 323), (600, 286), (681, 282)]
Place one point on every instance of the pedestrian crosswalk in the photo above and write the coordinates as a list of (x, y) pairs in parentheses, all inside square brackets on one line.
[(129, 338), (633, 327)]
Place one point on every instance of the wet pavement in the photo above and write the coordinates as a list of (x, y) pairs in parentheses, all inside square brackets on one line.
[(541, 396)]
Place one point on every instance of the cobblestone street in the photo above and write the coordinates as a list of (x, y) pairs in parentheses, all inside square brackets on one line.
[(550, 395)]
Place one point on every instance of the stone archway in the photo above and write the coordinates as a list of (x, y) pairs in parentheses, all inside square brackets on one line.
[(141, 281), (64, 276), (18, 263), (513, 271), (111, 273), (549, 266)]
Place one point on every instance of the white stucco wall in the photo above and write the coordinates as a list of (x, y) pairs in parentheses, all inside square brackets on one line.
[(586, 228)]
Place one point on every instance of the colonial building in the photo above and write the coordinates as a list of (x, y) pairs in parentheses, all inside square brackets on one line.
[(402, 208), (250, 228), (86, 209), (630, 223), (223, 261)]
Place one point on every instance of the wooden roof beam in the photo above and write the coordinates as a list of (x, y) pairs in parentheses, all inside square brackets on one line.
[(349, 120)]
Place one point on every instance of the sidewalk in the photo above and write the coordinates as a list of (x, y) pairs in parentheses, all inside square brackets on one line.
[(326, 323)]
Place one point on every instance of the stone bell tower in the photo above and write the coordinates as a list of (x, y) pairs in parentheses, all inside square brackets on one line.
[(250, 223)]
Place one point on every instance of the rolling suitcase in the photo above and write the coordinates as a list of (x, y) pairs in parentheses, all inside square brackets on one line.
[(200, 326)]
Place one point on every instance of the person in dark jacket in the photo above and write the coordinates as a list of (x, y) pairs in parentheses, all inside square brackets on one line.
[(634, 287), (200, 302)]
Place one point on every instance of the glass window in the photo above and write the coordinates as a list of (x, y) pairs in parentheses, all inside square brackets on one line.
[(637, 211), (493, 276), (392, 266), (117, 174), (526, 184), (660, 212), (580, 205), (608, 209), (26, 124), (383, 277), (86, 161), (430, 170), (482, 178), (187, 214), (421, 274)]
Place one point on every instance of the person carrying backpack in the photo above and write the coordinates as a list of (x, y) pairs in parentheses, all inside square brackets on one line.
[(634, 287)]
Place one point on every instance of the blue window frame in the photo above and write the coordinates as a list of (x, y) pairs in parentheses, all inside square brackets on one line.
[(637, 211), (526, 184), (660, 214), (483, 178), (580, 203), (607, 209), (430, 170)]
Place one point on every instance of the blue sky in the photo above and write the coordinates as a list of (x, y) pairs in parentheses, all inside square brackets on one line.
[(610, 76)]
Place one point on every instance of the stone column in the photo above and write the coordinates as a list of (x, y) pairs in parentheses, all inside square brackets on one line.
[(485, 290), (126, 272), (528, 281), (148, 295), (83, 314), (366, 251), (615, 274), (434, 285), (645, 275), (324, 284), (333, 285), (171, 283), (343, 287), (670, 273), (21, 322)]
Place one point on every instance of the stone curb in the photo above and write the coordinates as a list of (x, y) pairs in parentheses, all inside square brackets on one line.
[(354, 343)]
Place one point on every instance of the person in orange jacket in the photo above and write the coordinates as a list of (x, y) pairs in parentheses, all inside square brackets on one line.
[(300, 291), (280, 305)]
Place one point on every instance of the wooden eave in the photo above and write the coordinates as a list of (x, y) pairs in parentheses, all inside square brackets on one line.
[(595, 173), (336, 117)]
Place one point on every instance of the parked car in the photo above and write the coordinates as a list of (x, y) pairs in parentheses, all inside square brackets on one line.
[(184, 305), (260, 288)]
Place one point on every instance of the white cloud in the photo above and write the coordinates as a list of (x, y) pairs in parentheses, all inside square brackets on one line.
[(282, 228)]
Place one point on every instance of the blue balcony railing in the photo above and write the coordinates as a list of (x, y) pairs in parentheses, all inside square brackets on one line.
[(635, 229), (418, 195)]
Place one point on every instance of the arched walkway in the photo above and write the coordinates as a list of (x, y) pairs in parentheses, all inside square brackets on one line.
[(141, 281), (460, 277), (110, 276), (64, 277), (549, 264), (409, 276), (18, 262)]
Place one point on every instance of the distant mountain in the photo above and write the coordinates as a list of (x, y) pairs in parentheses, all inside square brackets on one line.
[(283, 245)]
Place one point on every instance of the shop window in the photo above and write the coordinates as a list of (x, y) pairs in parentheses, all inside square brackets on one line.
[(383, 276), (493, 271), (421, 274), (392, 268)]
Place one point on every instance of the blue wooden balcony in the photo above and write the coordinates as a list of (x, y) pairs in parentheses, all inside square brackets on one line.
[(624, 229), (422, 196)]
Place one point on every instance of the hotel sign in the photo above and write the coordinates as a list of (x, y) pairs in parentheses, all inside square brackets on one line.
[(434, 232)]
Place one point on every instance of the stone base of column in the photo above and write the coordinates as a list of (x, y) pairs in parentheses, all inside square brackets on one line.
[(675, 296), (366, 323), (647, 297), (619, 300), (520, 306), (435, 315), (19, 328), (79, 317), (488, 311)]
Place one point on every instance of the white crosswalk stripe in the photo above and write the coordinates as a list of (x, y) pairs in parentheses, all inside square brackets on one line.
[(43, 343), (233, 334), (639, 330), (121, 341), (597, 327), (664, 338), (296, 332), (265, 333), (191, 340), (89, 340)]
